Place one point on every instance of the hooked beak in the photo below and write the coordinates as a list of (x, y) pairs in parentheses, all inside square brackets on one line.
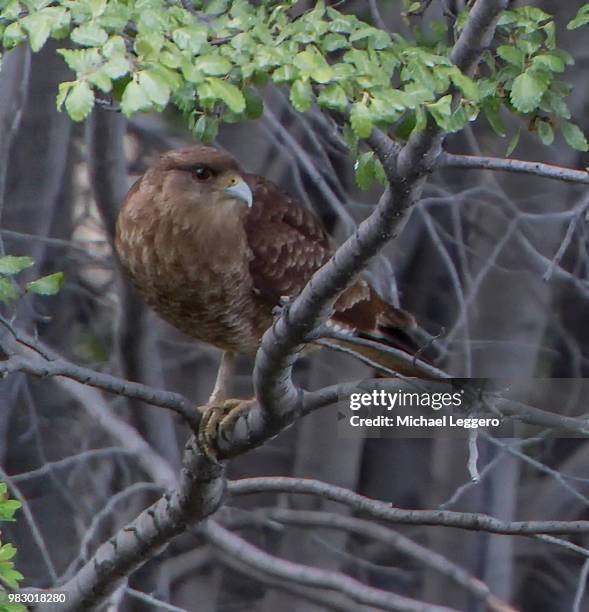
[(240, 190)]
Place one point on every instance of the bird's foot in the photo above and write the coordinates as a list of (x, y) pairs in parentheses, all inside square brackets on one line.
[(217, 421)]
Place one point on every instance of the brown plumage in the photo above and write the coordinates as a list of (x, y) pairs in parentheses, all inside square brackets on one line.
[(213, 251)]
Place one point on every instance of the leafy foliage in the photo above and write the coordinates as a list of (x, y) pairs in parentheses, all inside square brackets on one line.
[(207, 59), (581, 18), (9, 576), (10, 266), (47, 285)]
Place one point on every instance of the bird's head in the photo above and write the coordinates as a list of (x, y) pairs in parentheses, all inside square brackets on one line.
[(203, 177)]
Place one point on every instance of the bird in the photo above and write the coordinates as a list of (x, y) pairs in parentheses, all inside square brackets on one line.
[(215, 251)]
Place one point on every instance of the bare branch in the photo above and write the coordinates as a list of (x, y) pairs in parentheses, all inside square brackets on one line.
[(45, 368), (376, 16), (429, 558), (72, 460), (158, 604), (383, 511), (330, 600), (581, 587), (475, 162), (199, 494), (235, 546), (149, 460)]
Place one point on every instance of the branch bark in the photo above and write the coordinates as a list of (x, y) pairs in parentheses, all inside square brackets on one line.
[(199, 494), (309, 576), (516, 166), (386, 512)]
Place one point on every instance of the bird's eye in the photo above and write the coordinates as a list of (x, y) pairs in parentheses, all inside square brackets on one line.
[(202, 173)]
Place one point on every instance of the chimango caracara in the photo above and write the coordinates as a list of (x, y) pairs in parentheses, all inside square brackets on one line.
[(214, 250)]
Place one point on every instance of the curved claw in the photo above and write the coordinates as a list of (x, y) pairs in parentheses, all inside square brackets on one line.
[(219, 420)]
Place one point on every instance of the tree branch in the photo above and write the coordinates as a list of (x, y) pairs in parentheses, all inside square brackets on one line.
[(476, 162), (199, 494), (429, 558), (238, 548), (47, 363), (272, 374), (383, 511)]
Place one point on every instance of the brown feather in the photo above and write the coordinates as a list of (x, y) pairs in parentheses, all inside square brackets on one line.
[(215, 268)]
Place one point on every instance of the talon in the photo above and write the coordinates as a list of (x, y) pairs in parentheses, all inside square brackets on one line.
[(217, 421)]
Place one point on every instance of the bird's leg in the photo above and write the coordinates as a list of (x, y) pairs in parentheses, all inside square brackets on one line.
[(220, 413), (223, 381)]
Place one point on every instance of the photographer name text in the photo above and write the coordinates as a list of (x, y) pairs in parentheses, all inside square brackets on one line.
[(421, 421)]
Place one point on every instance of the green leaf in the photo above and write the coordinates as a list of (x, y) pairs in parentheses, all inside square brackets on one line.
[(89, 35), (115, 47), (228, 93), (553, 102), (382, 112), (216, 7), (10, 576), (574, 136), (341, 23), (213, 65), (206, 129), (466, 85), (38, 27), (254, 105), (512, 55), (333, 96), (98, 7), (441, 110), (333, 42), (190, 38), (7, 552), (79, 101), (7, 509), (301, 95), (63, 91), (513, 143), (365, 170), (580, 19), (81, 61), (100, 79), (9, 264), (285, 74), (361, 120), (156, 88), (527, 91), (116, 67), (8, 293), (46, 285), (134, 99), (13, 35), (378, 38), (545, 132), (491, 109), (549, 61), (312, 64), (10, 10)]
